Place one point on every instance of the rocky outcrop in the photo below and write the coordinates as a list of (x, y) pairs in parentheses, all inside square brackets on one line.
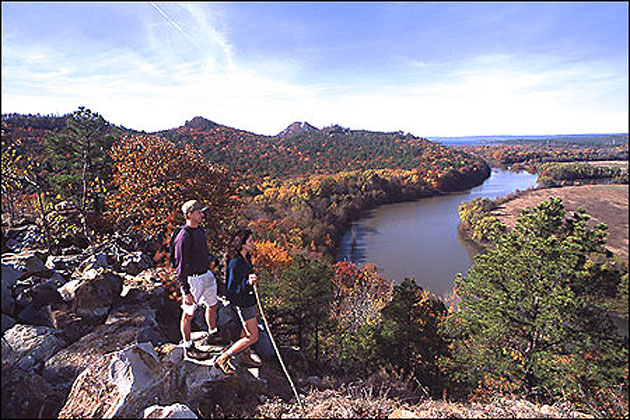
[(19, 238), (118, 384), (200, 124), (28, 346), (87, 330), (129, 382), (124, 327), (296, 128)]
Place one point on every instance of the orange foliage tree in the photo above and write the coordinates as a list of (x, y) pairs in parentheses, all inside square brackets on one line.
[(359, 295), (152, 178), (271, 257)]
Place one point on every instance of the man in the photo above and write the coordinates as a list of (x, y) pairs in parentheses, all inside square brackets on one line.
[(197, 283)]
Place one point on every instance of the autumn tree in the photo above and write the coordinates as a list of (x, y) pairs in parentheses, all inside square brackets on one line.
[(152, 178), (359, 296), (526, 317)]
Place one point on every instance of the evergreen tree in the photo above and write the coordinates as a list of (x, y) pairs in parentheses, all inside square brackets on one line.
[(525, 316), (302, 299), (79, 165), (409, 336)]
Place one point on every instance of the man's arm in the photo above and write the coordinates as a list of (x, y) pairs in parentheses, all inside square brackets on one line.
[(183, 245)]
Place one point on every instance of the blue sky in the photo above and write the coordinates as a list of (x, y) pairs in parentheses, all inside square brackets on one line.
[(431, 69)]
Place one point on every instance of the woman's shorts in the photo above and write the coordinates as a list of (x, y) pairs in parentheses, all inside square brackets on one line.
[(248, 312)]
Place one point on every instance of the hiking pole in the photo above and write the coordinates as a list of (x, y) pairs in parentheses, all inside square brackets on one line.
[(262, 314)]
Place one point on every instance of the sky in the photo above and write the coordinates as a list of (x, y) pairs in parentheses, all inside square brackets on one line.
[(427, 68)]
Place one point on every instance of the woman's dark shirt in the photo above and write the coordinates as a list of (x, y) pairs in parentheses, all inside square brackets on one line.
[(239, 291)]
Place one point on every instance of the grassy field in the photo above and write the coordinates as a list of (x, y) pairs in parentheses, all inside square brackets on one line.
[(604, 203)]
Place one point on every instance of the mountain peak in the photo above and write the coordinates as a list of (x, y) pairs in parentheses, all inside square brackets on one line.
[(201, 124), (297, 127)]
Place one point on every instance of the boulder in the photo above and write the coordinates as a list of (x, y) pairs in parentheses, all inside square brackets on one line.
[(25, 394), (7, 322), (64, 264), (26, 263), (136, 262), (70, 325), (94, 262), (94, 293), (35, 315), (38, 291), (9, 277), (33, 345), (124, 382), (173, 411), (118, 384), (125, 327), (23, 237)]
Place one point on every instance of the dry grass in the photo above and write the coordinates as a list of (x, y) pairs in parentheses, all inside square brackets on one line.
[(333, 403), (604, 203)]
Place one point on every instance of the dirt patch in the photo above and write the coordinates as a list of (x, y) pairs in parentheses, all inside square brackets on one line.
[(604, 203)]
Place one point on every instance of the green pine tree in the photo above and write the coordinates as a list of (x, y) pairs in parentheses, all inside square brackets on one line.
[(525, 315), (79, 165)]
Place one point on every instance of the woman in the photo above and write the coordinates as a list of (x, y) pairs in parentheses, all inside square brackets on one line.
[(240, 279)]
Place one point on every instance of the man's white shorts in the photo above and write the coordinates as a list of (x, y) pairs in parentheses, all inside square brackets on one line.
[(203, 287)]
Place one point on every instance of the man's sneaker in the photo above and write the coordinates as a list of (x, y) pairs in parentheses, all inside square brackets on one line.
[(248, 361), (193, 352), (223, 362)]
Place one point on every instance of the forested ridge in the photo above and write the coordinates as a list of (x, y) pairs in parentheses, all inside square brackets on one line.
[(520, 324)]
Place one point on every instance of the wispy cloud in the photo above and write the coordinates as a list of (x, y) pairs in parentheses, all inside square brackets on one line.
[(183, 63)]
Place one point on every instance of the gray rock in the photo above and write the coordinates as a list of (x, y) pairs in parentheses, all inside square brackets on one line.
[(94, 262), (173, 411), (9, 277), (34, 315), (118, 384), (136, 262), (37, 341), (26, 263), (23, 237), (38, 292), (93, 293), (64, 264), (7, 322), (126, 326), (123, 383), (25, 394), (70, 325)]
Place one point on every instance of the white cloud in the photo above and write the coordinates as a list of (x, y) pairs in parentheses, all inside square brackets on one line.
[(188, 67)]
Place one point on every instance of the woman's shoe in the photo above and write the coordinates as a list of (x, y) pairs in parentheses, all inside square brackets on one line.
[(223, 362), (248, 361)]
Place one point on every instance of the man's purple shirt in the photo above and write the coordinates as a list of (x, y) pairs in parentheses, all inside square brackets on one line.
[(191, 255)]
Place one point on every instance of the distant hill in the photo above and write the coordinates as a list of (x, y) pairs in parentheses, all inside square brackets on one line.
[(201, 124), (299, 150), (302, 149), (296, 128)]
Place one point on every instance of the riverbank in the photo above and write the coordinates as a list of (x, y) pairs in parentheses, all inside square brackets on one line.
[(457, 182), (419, 239)]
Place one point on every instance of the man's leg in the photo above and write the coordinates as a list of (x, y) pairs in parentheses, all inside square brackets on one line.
[(185, 326), (211, 317)]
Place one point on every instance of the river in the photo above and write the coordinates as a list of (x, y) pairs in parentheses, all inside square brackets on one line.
[(419, 239)]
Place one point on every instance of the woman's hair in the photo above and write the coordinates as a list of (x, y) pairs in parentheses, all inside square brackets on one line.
[(234, 248), (236, 244)]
